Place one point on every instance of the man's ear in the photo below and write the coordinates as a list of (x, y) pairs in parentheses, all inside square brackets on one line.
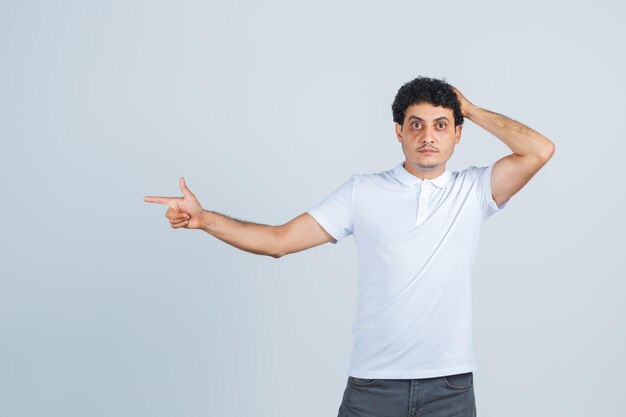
[(399, 132), (457, 133)]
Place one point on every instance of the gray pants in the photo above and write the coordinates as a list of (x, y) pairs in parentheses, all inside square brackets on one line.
[(443, 396)]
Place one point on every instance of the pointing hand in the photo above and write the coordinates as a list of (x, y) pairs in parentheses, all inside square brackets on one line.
[(183, 211)]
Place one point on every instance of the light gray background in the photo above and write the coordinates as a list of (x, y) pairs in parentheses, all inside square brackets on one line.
[(265, 108)]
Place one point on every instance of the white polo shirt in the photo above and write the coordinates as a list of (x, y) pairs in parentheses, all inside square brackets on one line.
[(416, 240)]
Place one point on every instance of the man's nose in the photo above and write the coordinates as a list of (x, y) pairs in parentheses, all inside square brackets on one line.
[(429, 136)]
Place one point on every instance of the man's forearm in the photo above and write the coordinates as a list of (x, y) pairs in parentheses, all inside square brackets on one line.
[(260, 239), (520, 138)]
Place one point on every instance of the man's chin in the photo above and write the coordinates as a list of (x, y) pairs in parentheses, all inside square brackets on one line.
[(426, 166)]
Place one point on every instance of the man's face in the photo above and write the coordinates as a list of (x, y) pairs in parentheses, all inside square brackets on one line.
[(428, 127)]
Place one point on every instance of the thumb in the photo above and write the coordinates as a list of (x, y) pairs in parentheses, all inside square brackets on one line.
[(183, 187)]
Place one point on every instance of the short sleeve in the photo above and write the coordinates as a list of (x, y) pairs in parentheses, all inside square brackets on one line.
[(483, 192), (334, 213)]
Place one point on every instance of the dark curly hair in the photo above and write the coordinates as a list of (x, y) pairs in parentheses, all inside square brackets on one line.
[(429, 90)]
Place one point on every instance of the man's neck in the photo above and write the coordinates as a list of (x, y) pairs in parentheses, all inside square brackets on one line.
[(424, 174)]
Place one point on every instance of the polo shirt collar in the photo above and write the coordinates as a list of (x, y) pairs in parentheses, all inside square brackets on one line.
[(406, 178)]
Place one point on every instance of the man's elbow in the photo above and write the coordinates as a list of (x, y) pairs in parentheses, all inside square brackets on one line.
[(279, 248), (547, 151), (277, 255)]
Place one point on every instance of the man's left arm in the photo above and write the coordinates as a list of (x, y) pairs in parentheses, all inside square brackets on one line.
[(531, 150)]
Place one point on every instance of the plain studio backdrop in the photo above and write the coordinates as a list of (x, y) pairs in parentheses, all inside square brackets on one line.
[(265, 108)]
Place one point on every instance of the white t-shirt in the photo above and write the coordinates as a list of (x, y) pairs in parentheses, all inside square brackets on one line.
[(416, 240)]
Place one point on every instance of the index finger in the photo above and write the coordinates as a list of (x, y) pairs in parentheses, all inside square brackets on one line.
[(160, 200)]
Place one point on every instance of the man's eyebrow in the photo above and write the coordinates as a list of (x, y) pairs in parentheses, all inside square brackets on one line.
[(421, 120)]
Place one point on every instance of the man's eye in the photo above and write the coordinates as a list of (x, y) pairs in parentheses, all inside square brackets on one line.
[(441, 125), (415, 124)]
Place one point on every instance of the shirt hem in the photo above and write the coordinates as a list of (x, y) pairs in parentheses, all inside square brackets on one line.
[(426, 373)]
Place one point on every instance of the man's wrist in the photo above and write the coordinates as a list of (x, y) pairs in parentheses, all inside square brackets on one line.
[(471, 111), (206, 220)]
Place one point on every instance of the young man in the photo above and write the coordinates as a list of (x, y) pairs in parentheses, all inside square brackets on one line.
[(416, 227)]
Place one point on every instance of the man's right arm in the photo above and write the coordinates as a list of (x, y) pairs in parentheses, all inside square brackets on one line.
[(302, 232)]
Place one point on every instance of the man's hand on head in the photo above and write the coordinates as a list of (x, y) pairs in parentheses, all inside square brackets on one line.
[(466, 105)]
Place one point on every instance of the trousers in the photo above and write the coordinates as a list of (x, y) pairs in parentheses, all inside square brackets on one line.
[(443, 396)]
